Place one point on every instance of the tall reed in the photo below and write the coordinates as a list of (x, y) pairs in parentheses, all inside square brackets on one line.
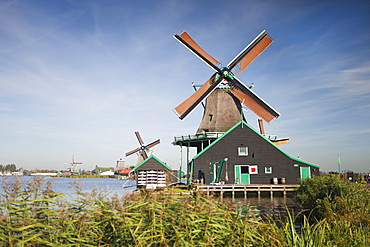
[(32, 214)]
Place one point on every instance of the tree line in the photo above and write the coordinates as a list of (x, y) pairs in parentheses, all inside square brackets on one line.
[(8, 167)]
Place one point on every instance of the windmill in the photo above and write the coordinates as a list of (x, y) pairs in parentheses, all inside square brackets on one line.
[(73, 165), (143, 150), (223, 91)]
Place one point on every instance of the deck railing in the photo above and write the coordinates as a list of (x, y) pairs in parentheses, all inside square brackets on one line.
[(271, 188)]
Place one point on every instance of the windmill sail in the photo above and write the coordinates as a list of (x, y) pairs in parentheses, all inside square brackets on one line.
[(249, 53), (132, 151), (253, 101), (186, 107), (139, 138), (152, 144), (144, 154), (185, 39)]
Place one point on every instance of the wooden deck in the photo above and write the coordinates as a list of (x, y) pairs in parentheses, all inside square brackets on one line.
[(247, 188)]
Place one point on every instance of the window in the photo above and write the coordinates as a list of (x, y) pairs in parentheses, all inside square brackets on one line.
[(243, 151), (244, 169), (268, 170), (253, 170)]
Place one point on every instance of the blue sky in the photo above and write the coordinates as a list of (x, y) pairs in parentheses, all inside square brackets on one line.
[(79, 77)]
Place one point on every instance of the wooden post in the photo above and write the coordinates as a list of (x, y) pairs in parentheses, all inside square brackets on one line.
[(271, 192), (233, 194), (284, 193)]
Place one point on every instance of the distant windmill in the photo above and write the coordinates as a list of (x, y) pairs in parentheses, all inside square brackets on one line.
[(74, 164), (143, 150)]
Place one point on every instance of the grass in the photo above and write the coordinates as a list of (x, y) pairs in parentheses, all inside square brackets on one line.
[(32, 214)]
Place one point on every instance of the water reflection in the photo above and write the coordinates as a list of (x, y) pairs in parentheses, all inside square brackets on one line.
[(266, 207)]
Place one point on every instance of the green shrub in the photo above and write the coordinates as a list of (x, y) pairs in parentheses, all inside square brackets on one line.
[(344, 205), (325, 194)]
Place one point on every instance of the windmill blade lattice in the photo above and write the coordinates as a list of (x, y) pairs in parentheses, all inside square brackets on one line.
[(185, 39), (253, 101), (249, 53)]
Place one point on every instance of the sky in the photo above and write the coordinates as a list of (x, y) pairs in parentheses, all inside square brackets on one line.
[(79, 77)]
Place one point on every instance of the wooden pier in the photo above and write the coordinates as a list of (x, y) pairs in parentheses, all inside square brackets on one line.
[(247, 188)]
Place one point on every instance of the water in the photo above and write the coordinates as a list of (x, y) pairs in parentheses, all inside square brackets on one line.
[(68, 186), (276, 207), (271, 207)]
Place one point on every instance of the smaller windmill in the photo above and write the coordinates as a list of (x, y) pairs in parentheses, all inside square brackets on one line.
[(73, 165), (143, 150)]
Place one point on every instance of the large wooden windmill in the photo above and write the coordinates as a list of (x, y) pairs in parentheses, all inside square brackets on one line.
[(252, 157), (143, 150), (223, 91)]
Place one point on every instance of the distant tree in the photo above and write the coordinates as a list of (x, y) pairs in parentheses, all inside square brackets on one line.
[(98, 169), (86, 173), (10, 167), (44, 171), (2, 168), (13, 168)]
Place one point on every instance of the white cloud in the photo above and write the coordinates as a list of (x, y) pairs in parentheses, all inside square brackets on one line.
[(81, 78)]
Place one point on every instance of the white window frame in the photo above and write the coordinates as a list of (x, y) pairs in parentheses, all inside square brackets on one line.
[(268, 168), (243, 153)]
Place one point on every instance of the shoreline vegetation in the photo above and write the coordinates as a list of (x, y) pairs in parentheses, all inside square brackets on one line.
[(337, 213)]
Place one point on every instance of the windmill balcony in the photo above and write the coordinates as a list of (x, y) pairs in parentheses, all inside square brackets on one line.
[(202, 136)]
